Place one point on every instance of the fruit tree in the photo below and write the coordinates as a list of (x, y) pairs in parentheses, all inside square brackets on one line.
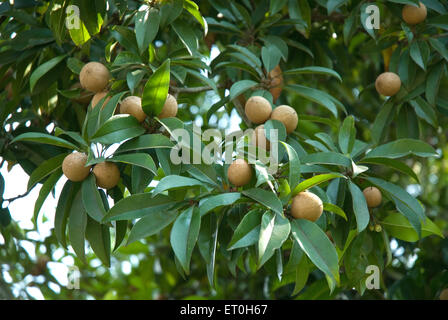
[(228, 149)]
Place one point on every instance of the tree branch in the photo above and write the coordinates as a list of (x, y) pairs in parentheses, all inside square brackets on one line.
[(193, 89)]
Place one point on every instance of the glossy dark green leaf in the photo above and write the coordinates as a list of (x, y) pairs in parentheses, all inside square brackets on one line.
[(146, 27), (225, 199), (43, 69), (98, 236), (143, 160), (347, 135), (313, 70), (316, 245), (151, 224), (184, 235), (176, 182), (118, 128), (45, 139), (401, 148), (274, 231), (359, 206), (46, 168), (92, 200), (77, 223), (266, 198), (314, 181), (147, 141), (156, 90), (138, 206), (248, 231)]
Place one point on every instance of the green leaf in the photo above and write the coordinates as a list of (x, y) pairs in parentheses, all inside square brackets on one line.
[(138, 206), (313, 70), (271, 57), (241, 87), (275, 125), (382, 120), (439, 47), (77, 227), (156, 90), (75, 65), (176, 182), (118, 128), (334, 4), (294, 166), (433, 83), (46, 168), (186, 36), (347, 135), (72, 134), (146, 27), (399, 227), (248, 231), (43, 69), (210, 203), (335, 209), (302, 273), (314, 181), (274, 231), (401, 195), (91, 199), (151, 224), (316, 245), (45, 139), (332, 158), (63, 210), (184, 235), (98, 236), (108, 110), (266, 198), (364, 16), (44, 191), (207, 243), (416, 55), (394, 164), (314, 95), (193, 9), (143, 160), (359, 207), (400, 148), (147, 141), (439, 21)]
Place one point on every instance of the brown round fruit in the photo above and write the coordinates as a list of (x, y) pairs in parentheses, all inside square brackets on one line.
[(259, 138), (307, 205), (133, 105), (414, 15), (74, 167), (239, 173), (287, 116), (258, 109), (169, 108), (276, 77), (444, 294), (107, 175), (373, 196), (94, 77), (388, 84), (98, 96)]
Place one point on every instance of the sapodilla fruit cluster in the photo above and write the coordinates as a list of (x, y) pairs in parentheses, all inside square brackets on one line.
[(259, 110)]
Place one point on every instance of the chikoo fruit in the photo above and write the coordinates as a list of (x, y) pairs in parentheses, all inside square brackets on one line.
[(133, 105), (373, 196), (74, 167), (97, 97), (94, 77), (307, 205), (258, 109), (444, 294), (286, 115), (259, 138), (276, 77), (107, 175), (169, 108), (388, 84), (239, 173), (414, 15)]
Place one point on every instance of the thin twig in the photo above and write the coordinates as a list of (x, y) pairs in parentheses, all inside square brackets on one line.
[(17, 197)]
